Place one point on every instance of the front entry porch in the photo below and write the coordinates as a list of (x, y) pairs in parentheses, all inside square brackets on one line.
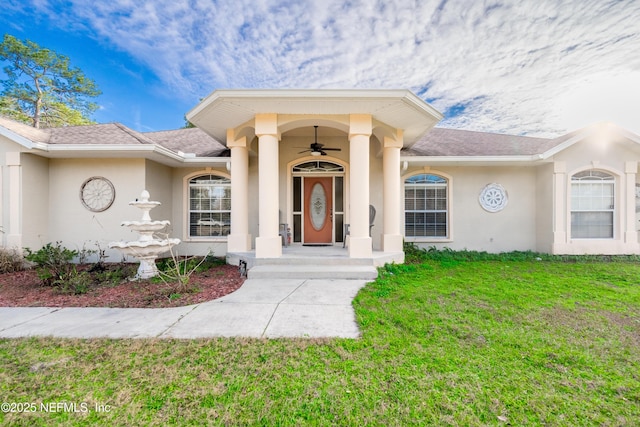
[(267, 131), (311, 262), (315, 196)]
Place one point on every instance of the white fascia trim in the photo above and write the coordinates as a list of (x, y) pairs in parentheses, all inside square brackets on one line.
[(418, 103), (405, 95), (470, 159), (206, 160), (568, 143), (25, 142), (97, 148), (309, 93), (130, 148), (630, 135), (586, 133)]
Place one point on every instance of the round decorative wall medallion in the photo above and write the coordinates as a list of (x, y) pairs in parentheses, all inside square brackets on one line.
[(97, 194), (493, 198)]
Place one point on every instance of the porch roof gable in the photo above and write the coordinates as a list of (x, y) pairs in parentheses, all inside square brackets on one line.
[(400, 109)]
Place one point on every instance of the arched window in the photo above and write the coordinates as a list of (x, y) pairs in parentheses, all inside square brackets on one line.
[(425, 206), (592, 205), (209, 206)]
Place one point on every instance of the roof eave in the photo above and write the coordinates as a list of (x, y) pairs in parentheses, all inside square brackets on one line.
[(17, 138), (226, 109), (566, 144), (152, 152), (603, 127), (526, 160)]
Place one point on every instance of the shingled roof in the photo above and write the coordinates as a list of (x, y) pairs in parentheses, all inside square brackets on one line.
[(439, 142), (110, 133), (26, 131), (454, 142), (184, 140), (191, 140)]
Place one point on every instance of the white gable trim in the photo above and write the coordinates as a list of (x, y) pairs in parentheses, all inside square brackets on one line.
[(18, 139), (609, 128), (568, 143)]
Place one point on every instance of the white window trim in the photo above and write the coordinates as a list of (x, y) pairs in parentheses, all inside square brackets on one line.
[(424, 239), (616, 203), (186, 211)]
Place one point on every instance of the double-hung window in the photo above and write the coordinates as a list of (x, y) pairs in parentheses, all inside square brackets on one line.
[(592, 205), (209, 206), (426, 206)]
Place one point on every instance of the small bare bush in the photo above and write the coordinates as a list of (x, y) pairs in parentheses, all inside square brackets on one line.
[(10, 261)]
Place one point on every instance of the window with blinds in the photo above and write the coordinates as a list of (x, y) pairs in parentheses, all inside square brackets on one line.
[(426, 206), (209, 206), (592, 205)]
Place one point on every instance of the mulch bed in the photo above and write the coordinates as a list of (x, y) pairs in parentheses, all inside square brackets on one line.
[(24, 289)]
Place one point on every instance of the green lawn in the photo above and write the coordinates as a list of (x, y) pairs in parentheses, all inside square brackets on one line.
[(508, 340)]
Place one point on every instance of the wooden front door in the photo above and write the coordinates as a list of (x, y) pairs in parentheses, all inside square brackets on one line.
[(318, 210)]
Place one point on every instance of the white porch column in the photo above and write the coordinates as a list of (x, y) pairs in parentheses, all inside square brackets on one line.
[(360, 129), (239, 240), (14, 234), (630, 233), (268, 243), (391, 238)]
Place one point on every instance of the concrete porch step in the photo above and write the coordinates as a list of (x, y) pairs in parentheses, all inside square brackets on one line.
[(355, 272), (317, 260)]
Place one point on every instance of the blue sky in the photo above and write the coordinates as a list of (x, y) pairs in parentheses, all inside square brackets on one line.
[(537, 67)]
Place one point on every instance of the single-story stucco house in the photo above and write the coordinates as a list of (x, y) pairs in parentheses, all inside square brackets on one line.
[(263, 168)]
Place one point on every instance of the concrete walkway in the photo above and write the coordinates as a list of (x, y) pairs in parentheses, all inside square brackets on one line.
[(261, 308)]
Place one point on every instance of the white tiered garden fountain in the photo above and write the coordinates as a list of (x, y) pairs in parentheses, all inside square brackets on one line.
[(146, 248)]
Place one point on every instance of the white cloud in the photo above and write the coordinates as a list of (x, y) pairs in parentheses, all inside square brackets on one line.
[(517, 67), (601, 97)]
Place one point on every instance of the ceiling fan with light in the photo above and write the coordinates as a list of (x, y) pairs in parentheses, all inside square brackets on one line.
[(317, 149)]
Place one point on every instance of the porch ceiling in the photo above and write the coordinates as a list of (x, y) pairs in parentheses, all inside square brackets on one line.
[(400, 109)]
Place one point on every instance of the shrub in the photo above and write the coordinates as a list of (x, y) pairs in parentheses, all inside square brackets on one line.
[(77, 283), (111, 275), (10, 261), (53, 263), (178, 270)]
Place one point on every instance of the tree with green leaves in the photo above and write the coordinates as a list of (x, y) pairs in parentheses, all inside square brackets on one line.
[(42, 88), (187, 123)]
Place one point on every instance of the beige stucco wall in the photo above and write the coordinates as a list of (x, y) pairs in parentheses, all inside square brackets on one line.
[(375, 192), (253, 198), (158, 182), (4, 200), (544, 208), (473, 228), (35, 200), (72, 223), (637, 200), (24, 188), (11, 149)]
